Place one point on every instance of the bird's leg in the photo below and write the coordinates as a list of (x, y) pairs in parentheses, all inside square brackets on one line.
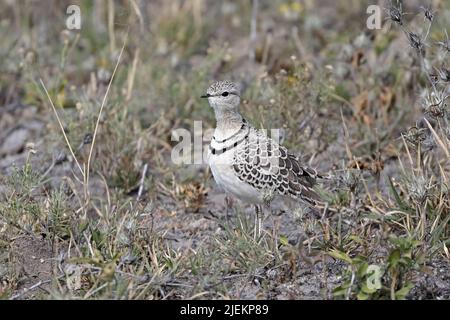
[(257, 231), (229, 205)]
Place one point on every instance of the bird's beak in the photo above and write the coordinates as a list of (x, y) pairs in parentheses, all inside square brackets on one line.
[(205, 96)]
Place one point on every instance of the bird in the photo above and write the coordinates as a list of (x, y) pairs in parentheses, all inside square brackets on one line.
[(248, 164)]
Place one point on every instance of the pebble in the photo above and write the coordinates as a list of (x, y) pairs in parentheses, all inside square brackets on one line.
[(15, 141)]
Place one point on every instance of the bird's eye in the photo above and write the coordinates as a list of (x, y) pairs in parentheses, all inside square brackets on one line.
[(224, 94)]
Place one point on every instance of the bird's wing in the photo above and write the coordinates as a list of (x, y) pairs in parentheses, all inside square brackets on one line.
[(265, 165)]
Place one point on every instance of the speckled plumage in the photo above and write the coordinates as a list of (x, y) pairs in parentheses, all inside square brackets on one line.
[(247, 163), (220, 86)]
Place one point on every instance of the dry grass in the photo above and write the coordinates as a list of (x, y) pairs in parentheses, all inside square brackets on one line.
[(92, 206)]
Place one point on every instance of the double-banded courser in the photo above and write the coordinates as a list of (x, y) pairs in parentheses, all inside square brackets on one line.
[(248, 164)]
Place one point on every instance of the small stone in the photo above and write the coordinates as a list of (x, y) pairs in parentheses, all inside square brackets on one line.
[(15, 141)]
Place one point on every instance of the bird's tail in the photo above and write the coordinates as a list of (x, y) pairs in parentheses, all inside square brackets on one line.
[(317, 198)]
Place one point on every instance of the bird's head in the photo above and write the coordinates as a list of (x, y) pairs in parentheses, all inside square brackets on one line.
[(223, 94)]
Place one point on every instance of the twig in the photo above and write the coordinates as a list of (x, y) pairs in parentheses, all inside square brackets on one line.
[(139, 15), (349, 291), (34, 286), (132, 75), (62, 127), (112, 36), (91, 293), (253, 22), (436, 136), (141, 184), (101, 111), (26, 290)]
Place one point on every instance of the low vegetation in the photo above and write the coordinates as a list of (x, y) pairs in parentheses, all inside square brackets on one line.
[(93, 207)]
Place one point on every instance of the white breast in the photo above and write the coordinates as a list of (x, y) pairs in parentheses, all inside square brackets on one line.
[(222, 169)]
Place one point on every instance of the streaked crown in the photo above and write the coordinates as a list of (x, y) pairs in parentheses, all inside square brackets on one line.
[(219, 87)]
